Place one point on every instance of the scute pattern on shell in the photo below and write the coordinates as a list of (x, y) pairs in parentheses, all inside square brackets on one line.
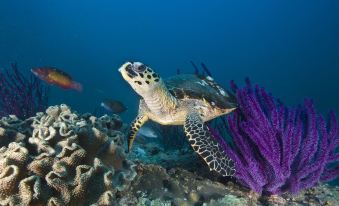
[(187, 86), (58, 158)]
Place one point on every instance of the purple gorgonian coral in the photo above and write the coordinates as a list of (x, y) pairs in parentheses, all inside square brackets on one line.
[(19, 95), (277, 149)]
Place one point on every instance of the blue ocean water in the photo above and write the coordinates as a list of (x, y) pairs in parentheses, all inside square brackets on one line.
[(289, 47)]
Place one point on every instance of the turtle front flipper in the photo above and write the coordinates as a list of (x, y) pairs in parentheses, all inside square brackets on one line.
[(135, 126), (206, 146)]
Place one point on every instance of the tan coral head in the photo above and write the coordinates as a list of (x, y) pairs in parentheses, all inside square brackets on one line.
[(141, 77)]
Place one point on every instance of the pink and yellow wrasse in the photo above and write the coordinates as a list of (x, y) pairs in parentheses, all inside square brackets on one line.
[(55, 76)]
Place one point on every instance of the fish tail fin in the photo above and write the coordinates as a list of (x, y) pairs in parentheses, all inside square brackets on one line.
[(77, 86)]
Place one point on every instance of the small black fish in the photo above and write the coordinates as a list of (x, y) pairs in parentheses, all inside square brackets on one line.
[(114, 106)]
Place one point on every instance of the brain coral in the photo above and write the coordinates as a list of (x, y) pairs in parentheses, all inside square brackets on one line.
[(60, 158)]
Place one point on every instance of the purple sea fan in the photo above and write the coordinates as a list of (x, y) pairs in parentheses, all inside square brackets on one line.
[(19, 95), (278, 149)]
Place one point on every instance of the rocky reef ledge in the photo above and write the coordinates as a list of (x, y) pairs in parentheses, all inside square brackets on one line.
[(156, 186), (62, 158)]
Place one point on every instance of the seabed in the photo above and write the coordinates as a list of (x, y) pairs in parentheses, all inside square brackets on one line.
[(59, 157)]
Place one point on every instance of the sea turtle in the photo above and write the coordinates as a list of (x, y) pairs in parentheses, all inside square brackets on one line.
[(184, 99)]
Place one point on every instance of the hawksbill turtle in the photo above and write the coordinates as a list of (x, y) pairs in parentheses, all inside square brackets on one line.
[(186, 100)]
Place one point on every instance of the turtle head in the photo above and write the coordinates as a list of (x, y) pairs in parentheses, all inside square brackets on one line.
[(141, 77)]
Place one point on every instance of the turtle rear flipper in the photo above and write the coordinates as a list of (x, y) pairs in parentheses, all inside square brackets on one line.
[(206, 146)]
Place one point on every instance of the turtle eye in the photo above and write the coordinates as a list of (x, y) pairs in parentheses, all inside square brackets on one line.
[(129, 67), (140, 68), (130, 71)]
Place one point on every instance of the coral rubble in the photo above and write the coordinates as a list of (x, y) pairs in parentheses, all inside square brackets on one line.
[(61, 158)]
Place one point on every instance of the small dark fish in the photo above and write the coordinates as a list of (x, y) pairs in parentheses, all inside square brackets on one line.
[(114, 106), (55, 76)]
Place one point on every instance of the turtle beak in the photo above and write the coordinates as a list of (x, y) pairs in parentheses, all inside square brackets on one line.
[(123, 67)]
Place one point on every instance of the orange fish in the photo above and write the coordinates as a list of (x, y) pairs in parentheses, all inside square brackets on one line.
[(55, 76)]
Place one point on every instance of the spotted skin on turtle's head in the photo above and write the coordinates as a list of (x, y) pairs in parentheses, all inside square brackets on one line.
[(141, 77)]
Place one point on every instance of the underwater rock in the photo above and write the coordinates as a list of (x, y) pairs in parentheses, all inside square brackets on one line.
[(179, 177), (176, 186), (154, 186), (61, 158), (229, 200)]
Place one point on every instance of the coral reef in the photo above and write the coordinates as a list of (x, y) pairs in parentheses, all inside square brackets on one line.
[(156, 186), (19, 95), (176, 186), (61, 158), (279, 149)]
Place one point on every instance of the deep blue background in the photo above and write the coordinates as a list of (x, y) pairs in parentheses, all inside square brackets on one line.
[(289, 47)]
